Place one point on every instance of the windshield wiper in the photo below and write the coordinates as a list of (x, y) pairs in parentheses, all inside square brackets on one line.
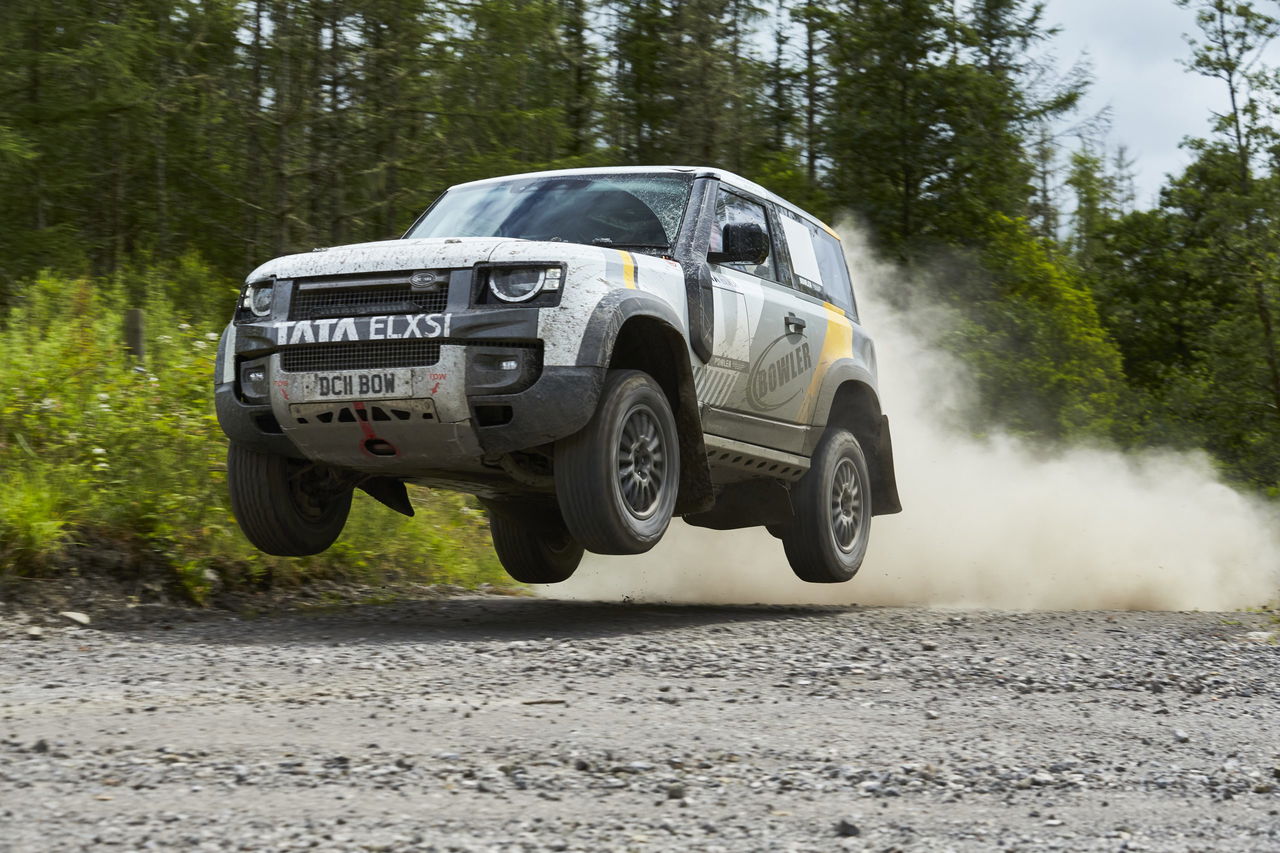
[(605, 241)]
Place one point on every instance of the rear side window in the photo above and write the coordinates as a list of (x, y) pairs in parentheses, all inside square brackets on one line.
[(817, 260)]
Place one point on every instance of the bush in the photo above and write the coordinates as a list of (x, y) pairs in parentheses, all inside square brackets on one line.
[(96, 444)]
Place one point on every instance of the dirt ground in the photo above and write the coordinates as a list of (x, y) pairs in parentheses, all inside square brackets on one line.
[(498, 723)]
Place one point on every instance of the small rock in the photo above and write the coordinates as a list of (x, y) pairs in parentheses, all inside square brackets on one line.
[(846, 828), (74, 616), (1180, 736), (1261, 636), (41, 745), (675, 792), (928, 646), (35, 632), (930, 715)]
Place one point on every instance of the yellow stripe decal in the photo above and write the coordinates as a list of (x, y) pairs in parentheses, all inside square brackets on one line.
[(628, 269), (837, 343)]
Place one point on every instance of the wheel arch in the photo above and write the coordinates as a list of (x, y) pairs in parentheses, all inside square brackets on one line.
[(651, 343), (855, 405)]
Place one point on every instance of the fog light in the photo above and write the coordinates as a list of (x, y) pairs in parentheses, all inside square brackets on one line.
[(509, 364), (253, 382)]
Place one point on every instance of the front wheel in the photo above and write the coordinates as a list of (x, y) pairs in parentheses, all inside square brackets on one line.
[(617, 479), (286, 507), (828, 538)]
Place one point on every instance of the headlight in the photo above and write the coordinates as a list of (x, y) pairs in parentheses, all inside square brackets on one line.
[(520, 284), (257, 298)]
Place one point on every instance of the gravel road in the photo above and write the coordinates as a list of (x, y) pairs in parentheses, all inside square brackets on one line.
[(494, 723)]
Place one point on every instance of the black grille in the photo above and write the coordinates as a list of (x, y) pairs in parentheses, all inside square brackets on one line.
[(356, 296), (362, 355)]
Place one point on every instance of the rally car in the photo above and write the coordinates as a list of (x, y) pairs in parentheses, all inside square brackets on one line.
[(590, 352)]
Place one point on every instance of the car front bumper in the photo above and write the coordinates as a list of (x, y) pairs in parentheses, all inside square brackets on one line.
[(481, 398)]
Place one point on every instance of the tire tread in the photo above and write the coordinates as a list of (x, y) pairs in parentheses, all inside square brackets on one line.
[(811, 555), (526, 554), (585, 492), (263, 506)]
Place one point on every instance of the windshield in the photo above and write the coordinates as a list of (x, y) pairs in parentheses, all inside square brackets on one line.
[(637, 211)]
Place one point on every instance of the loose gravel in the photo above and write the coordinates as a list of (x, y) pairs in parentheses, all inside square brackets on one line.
[(517, 724)]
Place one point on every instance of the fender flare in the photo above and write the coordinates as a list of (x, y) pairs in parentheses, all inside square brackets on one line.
[(599, 339), (608, 318), (868, 423), (840, 372)]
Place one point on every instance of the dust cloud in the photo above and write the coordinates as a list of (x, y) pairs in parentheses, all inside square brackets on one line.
[(996, 522)]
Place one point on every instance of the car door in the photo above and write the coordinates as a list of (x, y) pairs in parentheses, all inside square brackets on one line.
[(756, 383), (824, 297), (721, 384)]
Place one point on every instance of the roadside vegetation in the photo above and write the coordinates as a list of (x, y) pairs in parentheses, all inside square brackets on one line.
[(106, 454)]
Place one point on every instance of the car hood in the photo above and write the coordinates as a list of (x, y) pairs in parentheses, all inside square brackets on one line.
[(434, 253)]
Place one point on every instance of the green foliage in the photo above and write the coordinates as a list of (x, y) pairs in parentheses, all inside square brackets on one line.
[(933, 113), (92, 443), (33, 524), (1189, 291), (1042, 360)]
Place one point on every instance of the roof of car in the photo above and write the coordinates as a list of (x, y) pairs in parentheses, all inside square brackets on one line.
[(733, 180)]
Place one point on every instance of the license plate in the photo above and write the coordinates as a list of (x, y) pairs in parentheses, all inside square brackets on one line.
[(358, 384)]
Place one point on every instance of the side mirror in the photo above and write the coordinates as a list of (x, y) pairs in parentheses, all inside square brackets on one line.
[(743, 243)]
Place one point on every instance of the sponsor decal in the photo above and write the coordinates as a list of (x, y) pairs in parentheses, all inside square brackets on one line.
[(385, 327), (781, 374), (729, 363)]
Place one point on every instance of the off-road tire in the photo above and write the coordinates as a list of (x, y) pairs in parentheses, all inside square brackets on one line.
[(828, 538), (617, 479), (533, 550), (276, 510)]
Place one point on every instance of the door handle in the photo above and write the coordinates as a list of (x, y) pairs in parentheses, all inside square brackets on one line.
[(795, 324)]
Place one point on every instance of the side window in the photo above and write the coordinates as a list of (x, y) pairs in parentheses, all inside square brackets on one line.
[(734, 208), (817, 261)]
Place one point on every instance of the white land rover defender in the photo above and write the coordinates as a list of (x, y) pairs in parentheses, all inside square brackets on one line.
[(589, 352)]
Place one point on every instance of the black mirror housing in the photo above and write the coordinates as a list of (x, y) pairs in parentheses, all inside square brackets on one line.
[(743, 242)]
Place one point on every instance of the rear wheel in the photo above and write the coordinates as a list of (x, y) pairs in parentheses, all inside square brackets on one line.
[(617, 479), (533, 548), (286, 507), (828, 539)]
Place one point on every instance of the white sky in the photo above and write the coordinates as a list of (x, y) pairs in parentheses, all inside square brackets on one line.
[(1134, 47)]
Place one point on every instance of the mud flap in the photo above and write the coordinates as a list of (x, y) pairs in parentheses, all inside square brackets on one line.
[(884, 484), (389, 492)]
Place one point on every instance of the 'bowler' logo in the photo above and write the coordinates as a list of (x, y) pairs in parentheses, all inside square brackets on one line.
[(781, 374)]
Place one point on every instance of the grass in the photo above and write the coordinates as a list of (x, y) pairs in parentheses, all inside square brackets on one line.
[(97, 446)]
